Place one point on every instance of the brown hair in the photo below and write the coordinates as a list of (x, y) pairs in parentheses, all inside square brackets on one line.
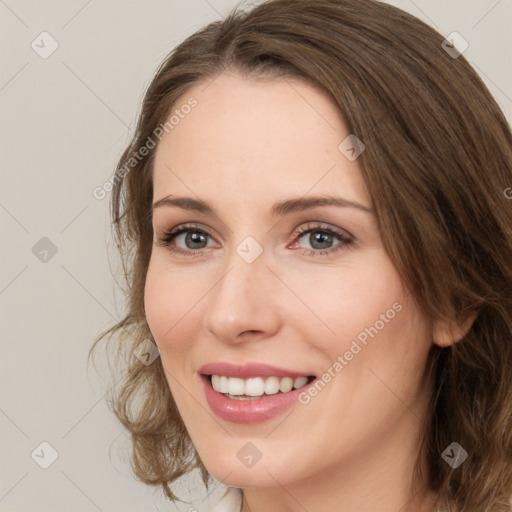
[(438, 159)]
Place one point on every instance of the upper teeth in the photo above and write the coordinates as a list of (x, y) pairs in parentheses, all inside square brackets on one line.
[(256, 386)]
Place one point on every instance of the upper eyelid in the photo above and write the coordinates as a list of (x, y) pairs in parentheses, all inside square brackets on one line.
[(302, 226), (318, 225), (187, 226)]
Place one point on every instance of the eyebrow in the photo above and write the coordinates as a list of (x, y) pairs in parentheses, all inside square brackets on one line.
[(282, 208)]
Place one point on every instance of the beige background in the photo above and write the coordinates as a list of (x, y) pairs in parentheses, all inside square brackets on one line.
[(64, 122)]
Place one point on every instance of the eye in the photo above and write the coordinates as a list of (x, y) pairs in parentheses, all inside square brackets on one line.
[(315, 239), (191, 238), (321, 239)]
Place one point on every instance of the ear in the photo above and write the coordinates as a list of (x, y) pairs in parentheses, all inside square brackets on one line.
[(446, 333)]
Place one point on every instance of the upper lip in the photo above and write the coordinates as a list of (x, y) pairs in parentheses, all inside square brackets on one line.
[(249, 370)]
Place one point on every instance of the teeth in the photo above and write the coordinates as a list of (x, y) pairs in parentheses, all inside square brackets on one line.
[(256, 386), (223, 384), (236, 386), (299, 382), (272, 386), (286, 385)]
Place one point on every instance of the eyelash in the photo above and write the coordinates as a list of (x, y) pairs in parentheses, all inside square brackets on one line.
[(171, 234)]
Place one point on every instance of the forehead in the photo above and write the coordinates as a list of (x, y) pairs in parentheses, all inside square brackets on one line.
[(257, 138)]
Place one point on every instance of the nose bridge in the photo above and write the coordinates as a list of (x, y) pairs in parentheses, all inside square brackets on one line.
[(241, 301)]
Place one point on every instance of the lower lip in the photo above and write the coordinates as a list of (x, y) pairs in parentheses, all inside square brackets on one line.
[(248, 411)]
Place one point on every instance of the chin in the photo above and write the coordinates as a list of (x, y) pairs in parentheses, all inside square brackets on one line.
[(245, 477), (248, 467)]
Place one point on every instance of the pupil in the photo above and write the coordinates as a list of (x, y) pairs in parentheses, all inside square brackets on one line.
[(324, 239), (193, 239)]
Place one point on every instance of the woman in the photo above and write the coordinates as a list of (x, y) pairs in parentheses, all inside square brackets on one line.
[(317, 237)]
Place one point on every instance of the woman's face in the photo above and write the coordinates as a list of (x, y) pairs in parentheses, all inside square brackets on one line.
[(277, 277)]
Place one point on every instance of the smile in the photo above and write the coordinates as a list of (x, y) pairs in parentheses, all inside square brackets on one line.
[(251, 393), (256, 387)]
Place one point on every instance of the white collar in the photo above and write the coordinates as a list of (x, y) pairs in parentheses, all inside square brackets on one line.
[(230, 502)]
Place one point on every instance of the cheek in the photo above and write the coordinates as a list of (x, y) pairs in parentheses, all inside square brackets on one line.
[(169, 298), (155, 302), (350, 299)]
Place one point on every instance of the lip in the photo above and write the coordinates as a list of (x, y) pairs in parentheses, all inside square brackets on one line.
[(249, 411), (249, 370)]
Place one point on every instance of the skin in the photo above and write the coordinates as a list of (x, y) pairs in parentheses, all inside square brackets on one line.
[(247, 145)]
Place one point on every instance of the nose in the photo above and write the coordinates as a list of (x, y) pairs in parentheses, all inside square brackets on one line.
[(244, 305)]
